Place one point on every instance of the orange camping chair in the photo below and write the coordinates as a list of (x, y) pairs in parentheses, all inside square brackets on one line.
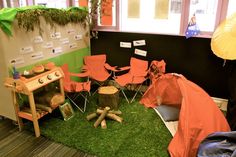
[(74, 89), (99, 70), (135, 76)]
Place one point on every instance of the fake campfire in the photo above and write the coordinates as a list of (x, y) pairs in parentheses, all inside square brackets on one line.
[(102, 114)]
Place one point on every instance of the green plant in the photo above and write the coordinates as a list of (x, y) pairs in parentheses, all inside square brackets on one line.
[(30, 18)]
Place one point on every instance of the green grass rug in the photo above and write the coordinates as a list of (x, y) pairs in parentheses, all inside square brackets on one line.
[(142, 133)]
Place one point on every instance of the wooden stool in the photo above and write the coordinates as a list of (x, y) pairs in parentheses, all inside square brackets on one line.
[(108, 96)]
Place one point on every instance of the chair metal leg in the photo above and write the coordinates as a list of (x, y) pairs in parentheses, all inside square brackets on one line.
[(125, 95), (74, 103), (85, 103), (136, 93)]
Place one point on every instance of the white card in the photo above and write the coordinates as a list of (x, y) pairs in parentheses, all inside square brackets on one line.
[(15, 61), (139, 42), (140, 52), (48, 45), (73, 45), (25, 50), (56, 35), (37, 39), (78, 37), (37, 55), (125, 44), (64, 41), (56, 50)]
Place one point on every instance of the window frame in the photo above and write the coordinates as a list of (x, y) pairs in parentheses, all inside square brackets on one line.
[(220, 16), (117, 22)]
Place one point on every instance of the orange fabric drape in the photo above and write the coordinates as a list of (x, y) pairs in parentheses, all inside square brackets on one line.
[(106, 12), (199, 115), (83, 3)]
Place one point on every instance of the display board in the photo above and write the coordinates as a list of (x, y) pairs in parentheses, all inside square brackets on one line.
[(60, 44)]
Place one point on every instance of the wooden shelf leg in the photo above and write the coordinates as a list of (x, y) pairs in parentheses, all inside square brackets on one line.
[(34, 115), (16, 107)]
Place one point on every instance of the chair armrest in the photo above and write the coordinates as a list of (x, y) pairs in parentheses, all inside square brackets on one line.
[(83, 74), (112, 68), (84, 68), (124, 68), (141, 74)]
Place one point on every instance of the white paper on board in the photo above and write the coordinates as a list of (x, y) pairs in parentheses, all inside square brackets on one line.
[(57, 50), (64, 41), (37, 39), (25, 50), (56, 35), (140, 52), (37, 55), (15, 61), (139, 42), (48, 45), (125, 44), (78, 37), (73, 45)]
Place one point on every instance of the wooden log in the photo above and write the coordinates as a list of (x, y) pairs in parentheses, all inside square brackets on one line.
[(91, 116), (118, 112), (114, 117), (57, 100), (51, 99), (101, 117), (103, 124), (108, 96), (44, 107)]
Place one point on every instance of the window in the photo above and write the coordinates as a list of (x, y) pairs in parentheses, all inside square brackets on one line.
[(205, 12), (231, 7), (160, 16), (52, 3), (148, 16), (108, 15), (22, 3)]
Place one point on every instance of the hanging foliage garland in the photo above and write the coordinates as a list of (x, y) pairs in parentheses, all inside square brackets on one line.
[(30, 19)]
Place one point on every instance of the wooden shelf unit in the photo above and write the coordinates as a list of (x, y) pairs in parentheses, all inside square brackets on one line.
[(27, 87)]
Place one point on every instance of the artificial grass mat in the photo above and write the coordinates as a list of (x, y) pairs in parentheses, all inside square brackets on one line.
[(142, 132)]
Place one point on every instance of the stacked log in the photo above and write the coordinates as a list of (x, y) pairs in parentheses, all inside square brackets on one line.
[(102, 114), (51, 99)]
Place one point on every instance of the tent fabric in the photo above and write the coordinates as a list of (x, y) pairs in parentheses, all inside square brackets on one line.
[(199, 115), (168, 91), (218, 144)]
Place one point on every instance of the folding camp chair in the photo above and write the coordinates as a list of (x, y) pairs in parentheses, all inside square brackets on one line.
[(99, 70), (135, 76), (74, 89)]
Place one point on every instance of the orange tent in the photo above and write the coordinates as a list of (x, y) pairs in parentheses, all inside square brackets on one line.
[(199, 115)]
